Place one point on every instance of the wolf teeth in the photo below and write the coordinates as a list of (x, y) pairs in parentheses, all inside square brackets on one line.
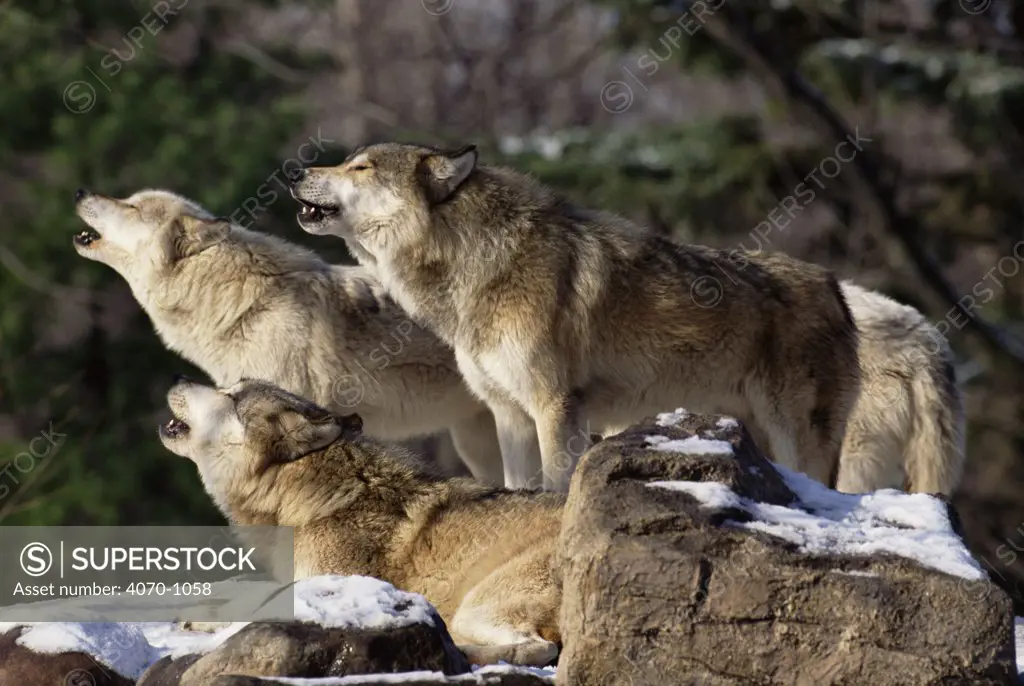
[(312, 212), (175, 427), (86, 236)]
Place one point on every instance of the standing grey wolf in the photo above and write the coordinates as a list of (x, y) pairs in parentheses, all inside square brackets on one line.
[(482, 555), (559, 313), (238, 303), (907, 427)]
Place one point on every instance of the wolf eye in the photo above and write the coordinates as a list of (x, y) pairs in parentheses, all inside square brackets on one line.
[(359, 167)]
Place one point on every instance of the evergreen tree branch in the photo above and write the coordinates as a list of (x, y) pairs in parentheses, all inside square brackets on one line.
[(731, 28)]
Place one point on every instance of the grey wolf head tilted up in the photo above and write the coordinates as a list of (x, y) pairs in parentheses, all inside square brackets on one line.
[(559, 314), (480, 554), (237, 435), (240, 303)]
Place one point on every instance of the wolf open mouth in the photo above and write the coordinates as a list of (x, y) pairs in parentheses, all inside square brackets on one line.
[(311, 212), (175, 428), (87, 236)]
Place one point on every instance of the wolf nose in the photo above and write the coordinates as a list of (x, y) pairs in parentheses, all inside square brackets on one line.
[(353, 424), (298, 175), (80, 193)]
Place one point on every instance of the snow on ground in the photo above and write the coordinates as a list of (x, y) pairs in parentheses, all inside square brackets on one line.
[(679, 414), (359, 601), (130, 647), (475, 677), (246, 594), (711, 494), (119, 646), (167, 638), (693, 445), (824, 522), (672, 418), (1018, 626)]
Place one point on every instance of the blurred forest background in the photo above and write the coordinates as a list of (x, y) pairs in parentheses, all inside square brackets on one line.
[(699, 118)]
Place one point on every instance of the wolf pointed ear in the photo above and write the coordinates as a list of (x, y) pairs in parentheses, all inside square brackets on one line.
[(441, 173), (200, 234), (305, 431)]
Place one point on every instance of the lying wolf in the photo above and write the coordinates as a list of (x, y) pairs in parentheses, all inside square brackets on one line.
[(481, 555), (238, 303), (559, 314)]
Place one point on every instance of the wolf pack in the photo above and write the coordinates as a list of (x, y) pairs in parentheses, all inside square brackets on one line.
[(529, 327)]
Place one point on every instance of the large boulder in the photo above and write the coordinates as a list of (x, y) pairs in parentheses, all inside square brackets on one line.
[(688, 558), (168, 670)]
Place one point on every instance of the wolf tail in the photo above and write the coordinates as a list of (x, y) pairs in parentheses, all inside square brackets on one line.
[(935, 451)]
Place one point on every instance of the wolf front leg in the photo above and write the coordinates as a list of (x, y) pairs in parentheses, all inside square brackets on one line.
[(476, 441), (562, 441), (520, 451)]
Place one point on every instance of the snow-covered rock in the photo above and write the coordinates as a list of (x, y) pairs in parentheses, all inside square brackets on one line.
[(823, 522), (343, 625), (687, 557)]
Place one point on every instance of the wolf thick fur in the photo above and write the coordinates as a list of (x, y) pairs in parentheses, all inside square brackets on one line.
[(558, 313), (238, 303), (482, 555), (907, 427)]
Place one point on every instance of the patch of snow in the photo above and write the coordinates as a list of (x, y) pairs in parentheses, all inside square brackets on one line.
[(891, 54), (511, 145), (95, 608), (691, 445), (1018, 630), (910, 525), (128, 648), (359, 601), (121, 647), (710, 493), (726, 423), (170, 639), (477, 676), (853, 572), (650, 156), (672, 418), (550, 146)]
